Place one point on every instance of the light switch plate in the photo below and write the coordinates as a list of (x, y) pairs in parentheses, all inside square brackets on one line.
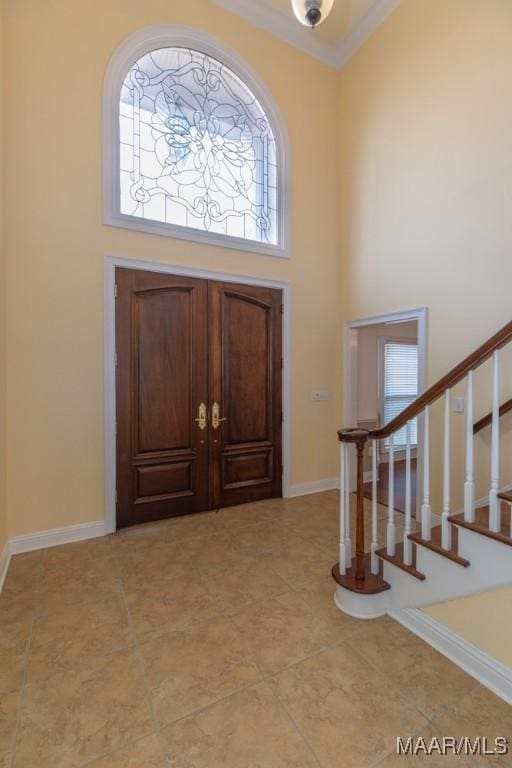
[(459, 405), (320, 395)]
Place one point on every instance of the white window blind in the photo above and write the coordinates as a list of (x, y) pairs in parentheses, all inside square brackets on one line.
[(400, 385)]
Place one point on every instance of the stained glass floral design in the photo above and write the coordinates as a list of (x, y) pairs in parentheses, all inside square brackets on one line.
[(196, 148)]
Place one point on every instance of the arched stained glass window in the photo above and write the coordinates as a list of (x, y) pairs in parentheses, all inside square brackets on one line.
[(196, 149)]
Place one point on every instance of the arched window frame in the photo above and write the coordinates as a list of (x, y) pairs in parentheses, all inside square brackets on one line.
[(131, 50)]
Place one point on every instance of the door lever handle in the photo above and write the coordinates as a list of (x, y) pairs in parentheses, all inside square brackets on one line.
[(216, 420), (201, 418)]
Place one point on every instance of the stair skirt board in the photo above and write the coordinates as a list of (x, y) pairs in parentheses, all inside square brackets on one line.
[(490, 672)]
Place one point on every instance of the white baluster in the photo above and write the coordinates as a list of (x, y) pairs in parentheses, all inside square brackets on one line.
[(343, 532), (407, 541), (348, 541), (494, 506), (391, 501), (446, 526), (469, 485), (374, 544), (426, 511)]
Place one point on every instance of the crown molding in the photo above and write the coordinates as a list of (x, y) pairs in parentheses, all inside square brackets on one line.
[(278, 23), (263, 15), (364, 29)]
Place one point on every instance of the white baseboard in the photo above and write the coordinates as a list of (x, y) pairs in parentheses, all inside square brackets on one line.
[(316, 486), (32, 541), (484, 500), (5, 558), (484, 668)]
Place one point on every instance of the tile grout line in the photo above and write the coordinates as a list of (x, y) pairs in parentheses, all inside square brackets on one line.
[(432, 721), (451, 707), (294, 724), (204, 707), (414, 708), (266, 678), (24, 684), (126, 744), (428, 718), (142, 668), (381, 760)]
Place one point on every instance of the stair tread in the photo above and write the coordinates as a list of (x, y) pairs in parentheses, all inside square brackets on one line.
[(373, 583), (505, 496), (398, 560), (435, 544), (481, 524)]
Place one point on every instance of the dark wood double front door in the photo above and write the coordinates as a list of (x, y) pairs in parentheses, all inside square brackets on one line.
[(198, 390)]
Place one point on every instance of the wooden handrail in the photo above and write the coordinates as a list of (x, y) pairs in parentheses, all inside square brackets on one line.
[(448, 381), (359, 576), (486, 420)]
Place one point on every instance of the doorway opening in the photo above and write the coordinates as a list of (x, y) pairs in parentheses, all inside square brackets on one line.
[(385, 371), (247, 466), (198, 387)]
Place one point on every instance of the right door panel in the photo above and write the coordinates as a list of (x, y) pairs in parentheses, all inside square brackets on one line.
[(245, 393)]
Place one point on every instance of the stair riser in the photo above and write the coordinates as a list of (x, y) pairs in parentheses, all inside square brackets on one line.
[(491, 561), (490, 568), (443, 577)]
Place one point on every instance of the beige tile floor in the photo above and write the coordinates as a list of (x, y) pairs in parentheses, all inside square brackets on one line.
[(212, 642)]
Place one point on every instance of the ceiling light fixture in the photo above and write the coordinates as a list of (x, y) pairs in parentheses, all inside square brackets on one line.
[(311, 13)]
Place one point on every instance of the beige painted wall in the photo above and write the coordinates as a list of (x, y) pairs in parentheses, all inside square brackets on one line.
[(3, 504), (425, 216), (485, 620), (56, 244), (426, 188)]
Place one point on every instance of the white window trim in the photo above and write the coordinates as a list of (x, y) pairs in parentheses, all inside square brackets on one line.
[(130, 51)]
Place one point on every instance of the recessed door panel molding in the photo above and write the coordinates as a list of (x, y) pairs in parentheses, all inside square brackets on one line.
[(163, 402), (240, 470), (247, 368), (198, 391), (163, 480)]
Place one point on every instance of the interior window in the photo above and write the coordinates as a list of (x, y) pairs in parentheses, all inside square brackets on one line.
[(196, 148), (400, 386)]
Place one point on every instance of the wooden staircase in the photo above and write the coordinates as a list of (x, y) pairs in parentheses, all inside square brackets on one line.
[(440, 561), (436, 545), (481, 523)]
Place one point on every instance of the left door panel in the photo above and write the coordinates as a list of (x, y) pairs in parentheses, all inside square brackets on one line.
[(161, 383)]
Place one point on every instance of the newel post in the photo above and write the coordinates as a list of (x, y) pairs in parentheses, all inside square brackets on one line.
[(359, 438)]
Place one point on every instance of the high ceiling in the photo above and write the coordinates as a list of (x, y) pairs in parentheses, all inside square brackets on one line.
[(349, 25), (343, 18)]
